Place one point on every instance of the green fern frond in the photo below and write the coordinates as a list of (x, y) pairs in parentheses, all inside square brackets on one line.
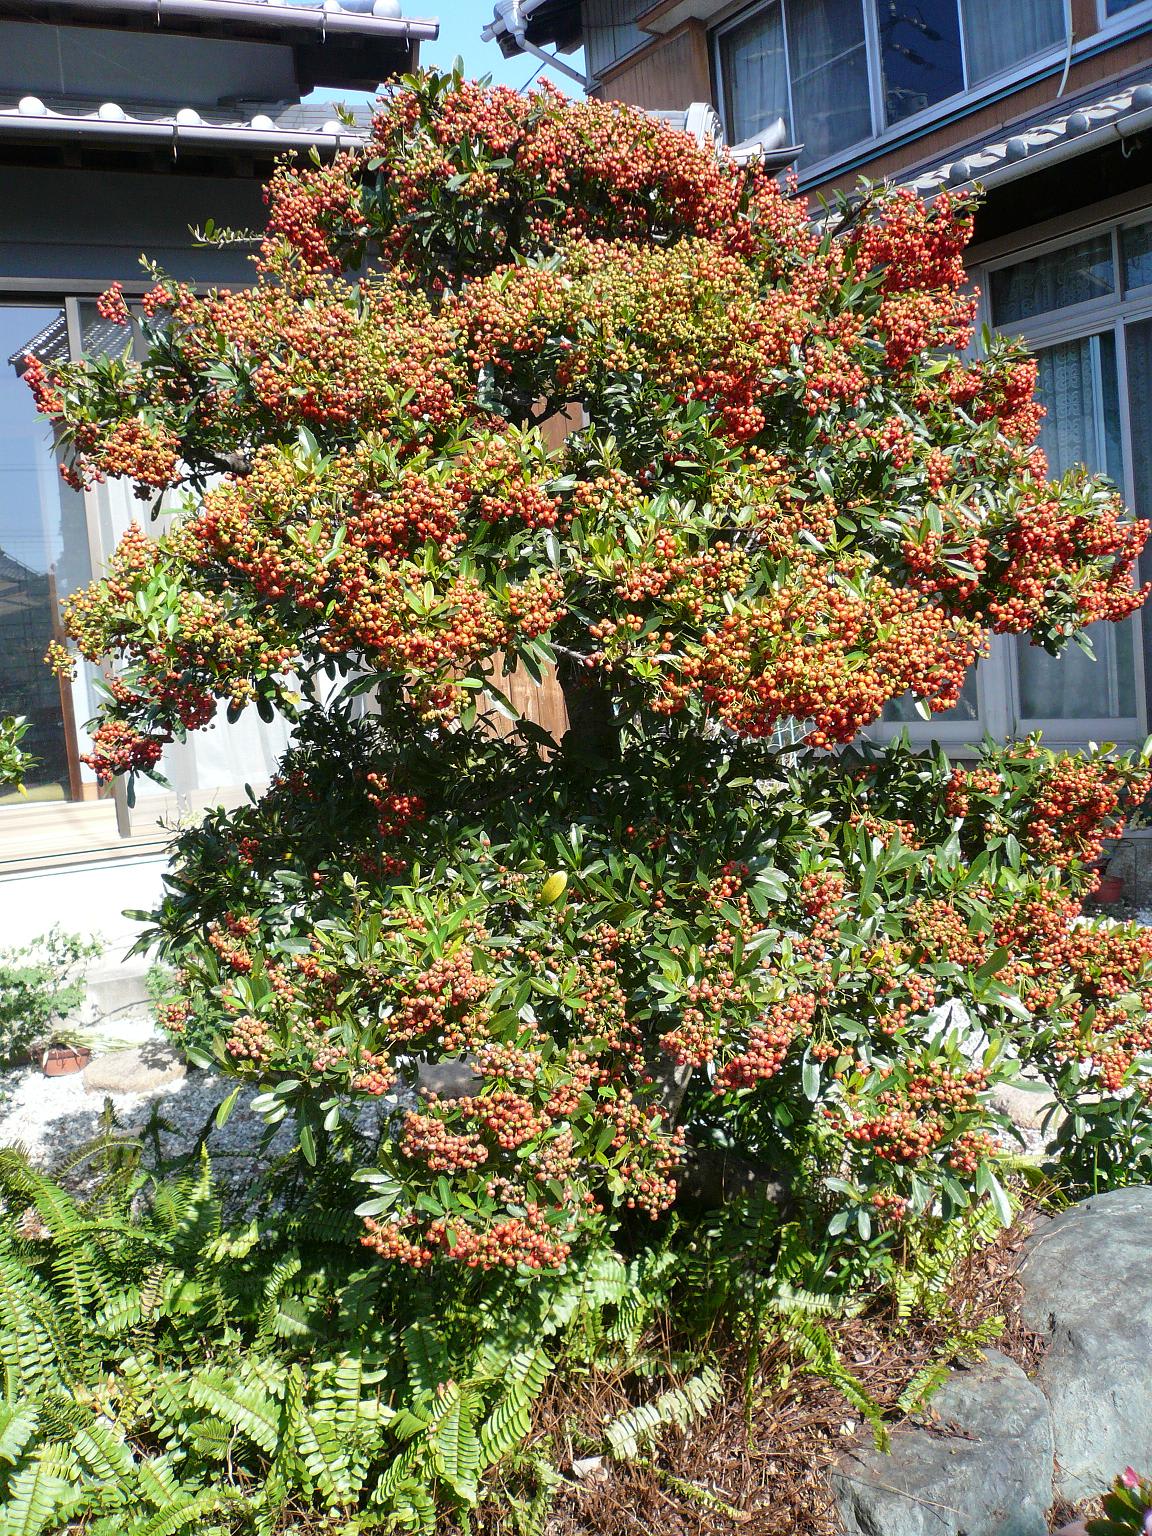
[(927, 1381), (42, 1494), (455, 1444), (680, 1407), (192, 1514), (104, 1454), (509, 1421), (427, 1357), (244, 1406), (283, 1273), (18, 1423), (820, 1357)]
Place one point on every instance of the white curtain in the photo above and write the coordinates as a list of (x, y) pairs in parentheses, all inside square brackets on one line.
[(1070, 275), (755, 74), (999, 34), (1078, 389)]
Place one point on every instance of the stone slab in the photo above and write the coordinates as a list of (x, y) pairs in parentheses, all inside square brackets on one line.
[(137, 1069)]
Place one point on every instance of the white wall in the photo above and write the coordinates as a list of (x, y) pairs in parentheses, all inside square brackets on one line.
[(89, 900)]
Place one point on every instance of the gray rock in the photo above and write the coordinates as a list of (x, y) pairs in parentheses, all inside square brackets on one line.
[(1026, 1107), (139, 1069), (1087, 1280), (980, 1466)]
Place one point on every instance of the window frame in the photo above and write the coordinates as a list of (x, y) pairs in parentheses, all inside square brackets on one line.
[(1110, 26), (883, 136)]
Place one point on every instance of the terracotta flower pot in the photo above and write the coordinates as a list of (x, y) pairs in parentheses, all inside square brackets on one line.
[(60, 1060), (1110, 889)]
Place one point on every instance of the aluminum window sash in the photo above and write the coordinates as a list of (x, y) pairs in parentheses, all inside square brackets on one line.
[(911, 128)]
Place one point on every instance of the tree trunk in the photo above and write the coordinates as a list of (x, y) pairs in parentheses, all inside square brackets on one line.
[(593, 730)]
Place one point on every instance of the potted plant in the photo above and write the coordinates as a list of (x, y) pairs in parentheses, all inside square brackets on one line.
[(67, 1052), (40, 985), (1109, 888)]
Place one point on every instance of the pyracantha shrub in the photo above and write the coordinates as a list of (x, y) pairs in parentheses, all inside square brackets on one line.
[(784, 500)]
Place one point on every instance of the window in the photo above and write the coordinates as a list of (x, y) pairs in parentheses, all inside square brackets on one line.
[(43, 559), (809, 66), (52, 539), (1085, 308), (843, 71), (921, 53), (1115, 7), (997, 37), (1073, 275), (1078, 386)]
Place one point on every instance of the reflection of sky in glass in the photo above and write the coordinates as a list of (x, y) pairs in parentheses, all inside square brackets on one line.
[(920, 48), (29, 495)]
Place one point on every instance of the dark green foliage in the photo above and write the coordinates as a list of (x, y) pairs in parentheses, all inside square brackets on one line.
[(39, 986)]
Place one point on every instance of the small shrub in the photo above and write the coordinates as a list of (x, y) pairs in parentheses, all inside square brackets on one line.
[(39, 986), (1127, 1507), (14, 761)]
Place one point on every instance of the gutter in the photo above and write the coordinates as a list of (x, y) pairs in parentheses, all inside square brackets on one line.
[(317, 20)]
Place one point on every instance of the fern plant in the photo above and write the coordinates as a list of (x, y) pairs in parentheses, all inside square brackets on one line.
[(162, 1374)]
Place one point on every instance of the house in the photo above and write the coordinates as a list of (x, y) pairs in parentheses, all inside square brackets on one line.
[(124, 126), (1048, 104)]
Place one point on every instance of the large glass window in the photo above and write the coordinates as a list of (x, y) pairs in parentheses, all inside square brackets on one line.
[(1136, 256), (1085, 310), (1074, 274), (1078, 388), (755, 74), (224, 756), (809, 62), (997, 37), (50, 539), (921, 54), (43, 559), (806, 63), (1082, 365)]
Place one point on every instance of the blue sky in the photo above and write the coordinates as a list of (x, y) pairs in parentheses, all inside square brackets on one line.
[(460, 25)]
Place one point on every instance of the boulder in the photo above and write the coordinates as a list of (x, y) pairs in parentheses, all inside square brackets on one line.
[(1028, 1106), (979, 1465), (139, 1069), (1087, 1278)]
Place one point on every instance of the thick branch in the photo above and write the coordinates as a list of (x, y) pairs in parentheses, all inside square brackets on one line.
[(593, 729)]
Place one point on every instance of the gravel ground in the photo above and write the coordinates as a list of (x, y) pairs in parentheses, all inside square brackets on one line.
[(52, 1118)]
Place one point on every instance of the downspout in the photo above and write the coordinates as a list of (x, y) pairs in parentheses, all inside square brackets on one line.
[(1070, 32)]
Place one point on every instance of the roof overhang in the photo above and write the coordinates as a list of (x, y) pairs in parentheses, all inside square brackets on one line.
[(186, 131), (355, 44), (1084, 126)]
